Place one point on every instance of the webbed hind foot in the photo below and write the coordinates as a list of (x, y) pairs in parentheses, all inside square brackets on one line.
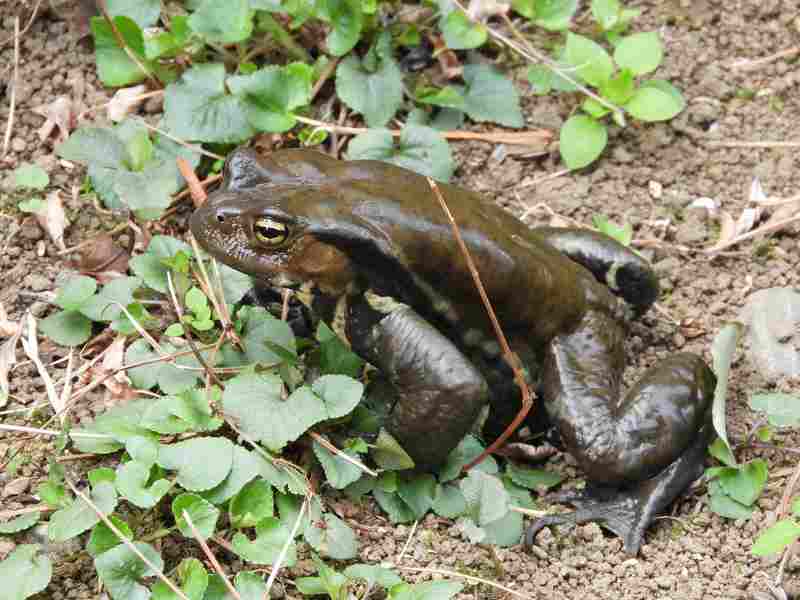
[(629, 512)]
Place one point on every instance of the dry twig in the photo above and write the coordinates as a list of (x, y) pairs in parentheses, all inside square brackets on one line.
[(510, 357), (14, 84)]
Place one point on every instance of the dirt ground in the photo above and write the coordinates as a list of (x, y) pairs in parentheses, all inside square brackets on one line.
[(648, 176)]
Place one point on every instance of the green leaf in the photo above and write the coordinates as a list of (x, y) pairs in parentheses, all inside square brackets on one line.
[(244, 468), (590, 60), (335, 357), (619, 88), (197, 107), (449, 502), (186, 411), (250, 585), (192, 580), (96, 145), (347, 20), (532, 478), (393, 505), (203, 515), (418, 492), (271, 94), (448, 97), (640, 52), (166, 44), (103, 306), (428, 590), (505, 531), (554, 15), (460, 33), (132, 478), (722, 350), (746, 482), (32, 205), (541, 79), (202, 462), (389, 454), (339, 393), (140, 151), (420, 149), (271, 535), (255, 401), (20, 523), (491, 96), (150, 265), (114, 67), (103, 538), (222, 22), (623, 234), (467, 449), (67, 328), (722, 453), (332, 537), (796, 507), (144, 12), (75, 292), (606, 13), (783, 410), (373, 575), (776, 538), (25, 572), (252, 504), (79, 516), (373, 90), (581, 141), (487, 499), (339, 473), (122, 571), (724, 505), (31, 177), (263, 334), (650, 103)]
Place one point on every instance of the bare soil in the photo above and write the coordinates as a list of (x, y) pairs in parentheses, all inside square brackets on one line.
[(648, 177)]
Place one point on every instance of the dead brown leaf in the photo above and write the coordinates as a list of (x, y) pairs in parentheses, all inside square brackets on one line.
[(61, 113), (125, 101), (103, 254), (53, 219)]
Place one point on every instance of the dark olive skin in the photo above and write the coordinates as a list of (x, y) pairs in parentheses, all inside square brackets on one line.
[(367, 245)]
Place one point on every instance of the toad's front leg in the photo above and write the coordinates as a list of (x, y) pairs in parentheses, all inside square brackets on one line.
[(437, 392), (639, 453)]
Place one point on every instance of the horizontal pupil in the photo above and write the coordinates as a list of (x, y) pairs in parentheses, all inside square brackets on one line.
[(271, 231)]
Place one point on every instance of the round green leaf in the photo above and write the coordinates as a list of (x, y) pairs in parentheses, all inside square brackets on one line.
[(75, 292), (202, 463), (640, 52), (491, 96), (132, 478), (271, 535), (103, 538), (460, 33), (122, 571), (31, 177), (777, 537), (650, 103), (333, 537), (581, 141), (222, 22), (67, 328), (347, 20), (252, 504), (25, 572), (375, 93), (203, 514), (592, 63)]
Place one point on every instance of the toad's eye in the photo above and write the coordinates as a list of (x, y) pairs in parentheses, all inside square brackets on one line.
[(270, 231)]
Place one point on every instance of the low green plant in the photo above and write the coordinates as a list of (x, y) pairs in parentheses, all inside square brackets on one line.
[(734, 487)]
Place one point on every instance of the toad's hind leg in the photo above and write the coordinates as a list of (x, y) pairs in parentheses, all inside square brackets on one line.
[(628, 512), (437, 393), (638, 453)]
